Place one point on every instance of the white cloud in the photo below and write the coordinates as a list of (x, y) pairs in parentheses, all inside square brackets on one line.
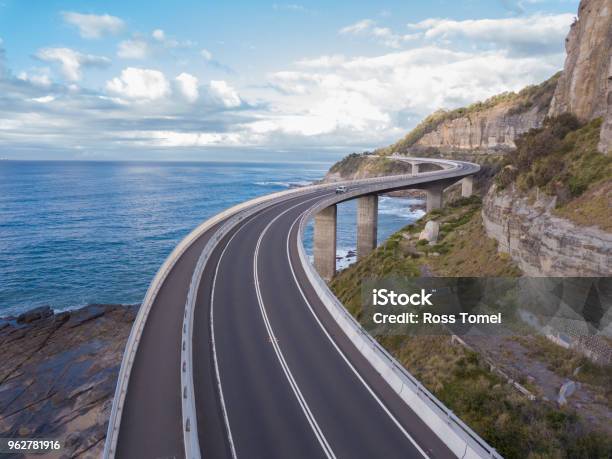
[(224, 93), (527, 34), (159, 35), (327, 101), (188, 139), (322, 61), (188, 86), (71, 61), (93, 25), (375, 100), (39, 79), (43, 99), (289, 7), (158, 43), (137, 83), (358, 27), (133, 49), (207, 55), (382, 35)]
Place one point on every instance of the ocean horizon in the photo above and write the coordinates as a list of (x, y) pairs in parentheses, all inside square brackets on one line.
[(79, 232)]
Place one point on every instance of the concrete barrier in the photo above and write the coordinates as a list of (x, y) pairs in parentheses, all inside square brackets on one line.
[(459, 438)]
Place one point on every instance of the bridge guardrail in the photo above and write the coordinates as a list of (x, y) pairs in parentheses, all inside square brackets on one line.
[(190, 428)]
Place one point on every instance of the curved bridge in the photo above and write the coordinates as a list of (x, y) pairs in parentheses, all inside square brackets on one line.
[(240, 349)]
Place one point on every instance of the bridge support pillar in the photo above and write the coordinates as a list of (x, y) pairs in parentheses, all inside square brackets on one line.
[(325, 242), (434, 197), (467, 185), (415, 168), (367, 224)]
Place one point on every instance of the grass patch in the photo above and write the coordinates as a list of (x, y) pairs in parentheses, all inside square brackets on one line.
[(563, 362), (462, 249), (388, 259), (590, 208), (515, 426)]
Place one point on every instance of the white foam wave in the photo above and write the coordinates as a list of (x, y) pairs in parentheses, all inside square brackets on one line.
[(401, 207), (345, 257)]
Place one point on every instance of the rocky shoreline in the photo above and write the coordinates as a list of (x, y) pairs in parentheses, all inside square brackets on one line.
[(58, 374)]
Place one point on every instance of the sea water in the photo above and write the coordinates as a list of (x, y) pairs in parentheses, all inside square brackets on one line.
[(74, 233)]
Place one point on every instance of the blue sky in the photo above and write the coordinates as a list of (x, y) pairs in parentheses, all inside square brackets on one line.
[(192, 79)]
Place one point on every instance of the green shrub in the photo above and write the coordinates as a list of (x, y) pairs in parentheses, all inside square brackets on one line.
[(561, 158)]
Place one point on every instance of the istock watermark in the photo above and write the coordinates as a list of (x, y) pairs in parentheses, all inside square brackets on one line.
[(569, 309)]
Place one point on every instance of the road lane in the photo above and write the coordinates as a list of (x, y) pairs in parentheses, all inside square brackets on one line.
[(151, 423), (266, 418), (333, 389)]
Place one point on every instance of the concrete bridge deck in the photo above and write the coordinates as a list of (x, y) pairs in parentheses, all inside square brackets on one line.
[(265, 370)]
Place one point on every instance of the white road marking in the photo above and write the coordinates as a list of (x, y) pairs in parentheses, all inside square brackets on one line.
[(365, 384), (213, 342), (305, 408), (214, 348)]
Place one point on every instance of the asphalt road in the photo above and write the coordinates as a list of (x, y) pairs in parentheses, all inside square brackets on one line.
[(151, 422), (274, 376), (291, 382)]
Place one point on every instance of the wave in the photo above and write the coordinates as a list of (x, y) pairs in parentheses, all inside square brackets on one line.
[(408, 208), (345, 257)]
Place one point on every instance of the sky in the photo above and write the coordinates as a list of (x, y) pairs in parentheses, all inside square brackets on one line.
[(243, 79)]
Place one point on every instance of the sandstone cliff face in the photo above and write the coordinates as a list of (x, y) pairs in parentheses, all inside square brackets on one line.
[(542, 244), (486, 131), (583, 89), (605, 144)]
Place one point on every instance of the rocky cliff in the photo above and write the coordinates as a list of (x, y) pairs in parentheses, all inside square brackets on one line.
[(486, 131), (484, 127), (605, 144), (542, 244), (584, 87)]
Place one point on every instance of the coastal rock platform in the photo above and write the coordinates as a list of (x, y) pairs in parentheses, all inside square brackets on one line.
[(58, 374)]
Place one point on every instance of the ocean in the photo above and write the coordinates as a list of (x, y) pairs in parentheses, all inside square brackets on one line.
[(74, 233)]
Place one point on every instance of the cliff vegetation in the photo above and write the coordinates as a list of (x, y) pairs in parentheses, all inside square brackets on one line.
[(365, 165), (561, 159)]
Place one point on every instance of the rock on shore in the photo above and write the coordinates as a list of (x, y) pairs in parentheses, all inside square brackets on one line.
[(58, 374), (541, 243)]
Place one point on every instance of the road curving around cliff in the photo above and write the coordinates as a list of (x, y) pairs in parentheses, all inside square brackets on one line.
[(239, 351)]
